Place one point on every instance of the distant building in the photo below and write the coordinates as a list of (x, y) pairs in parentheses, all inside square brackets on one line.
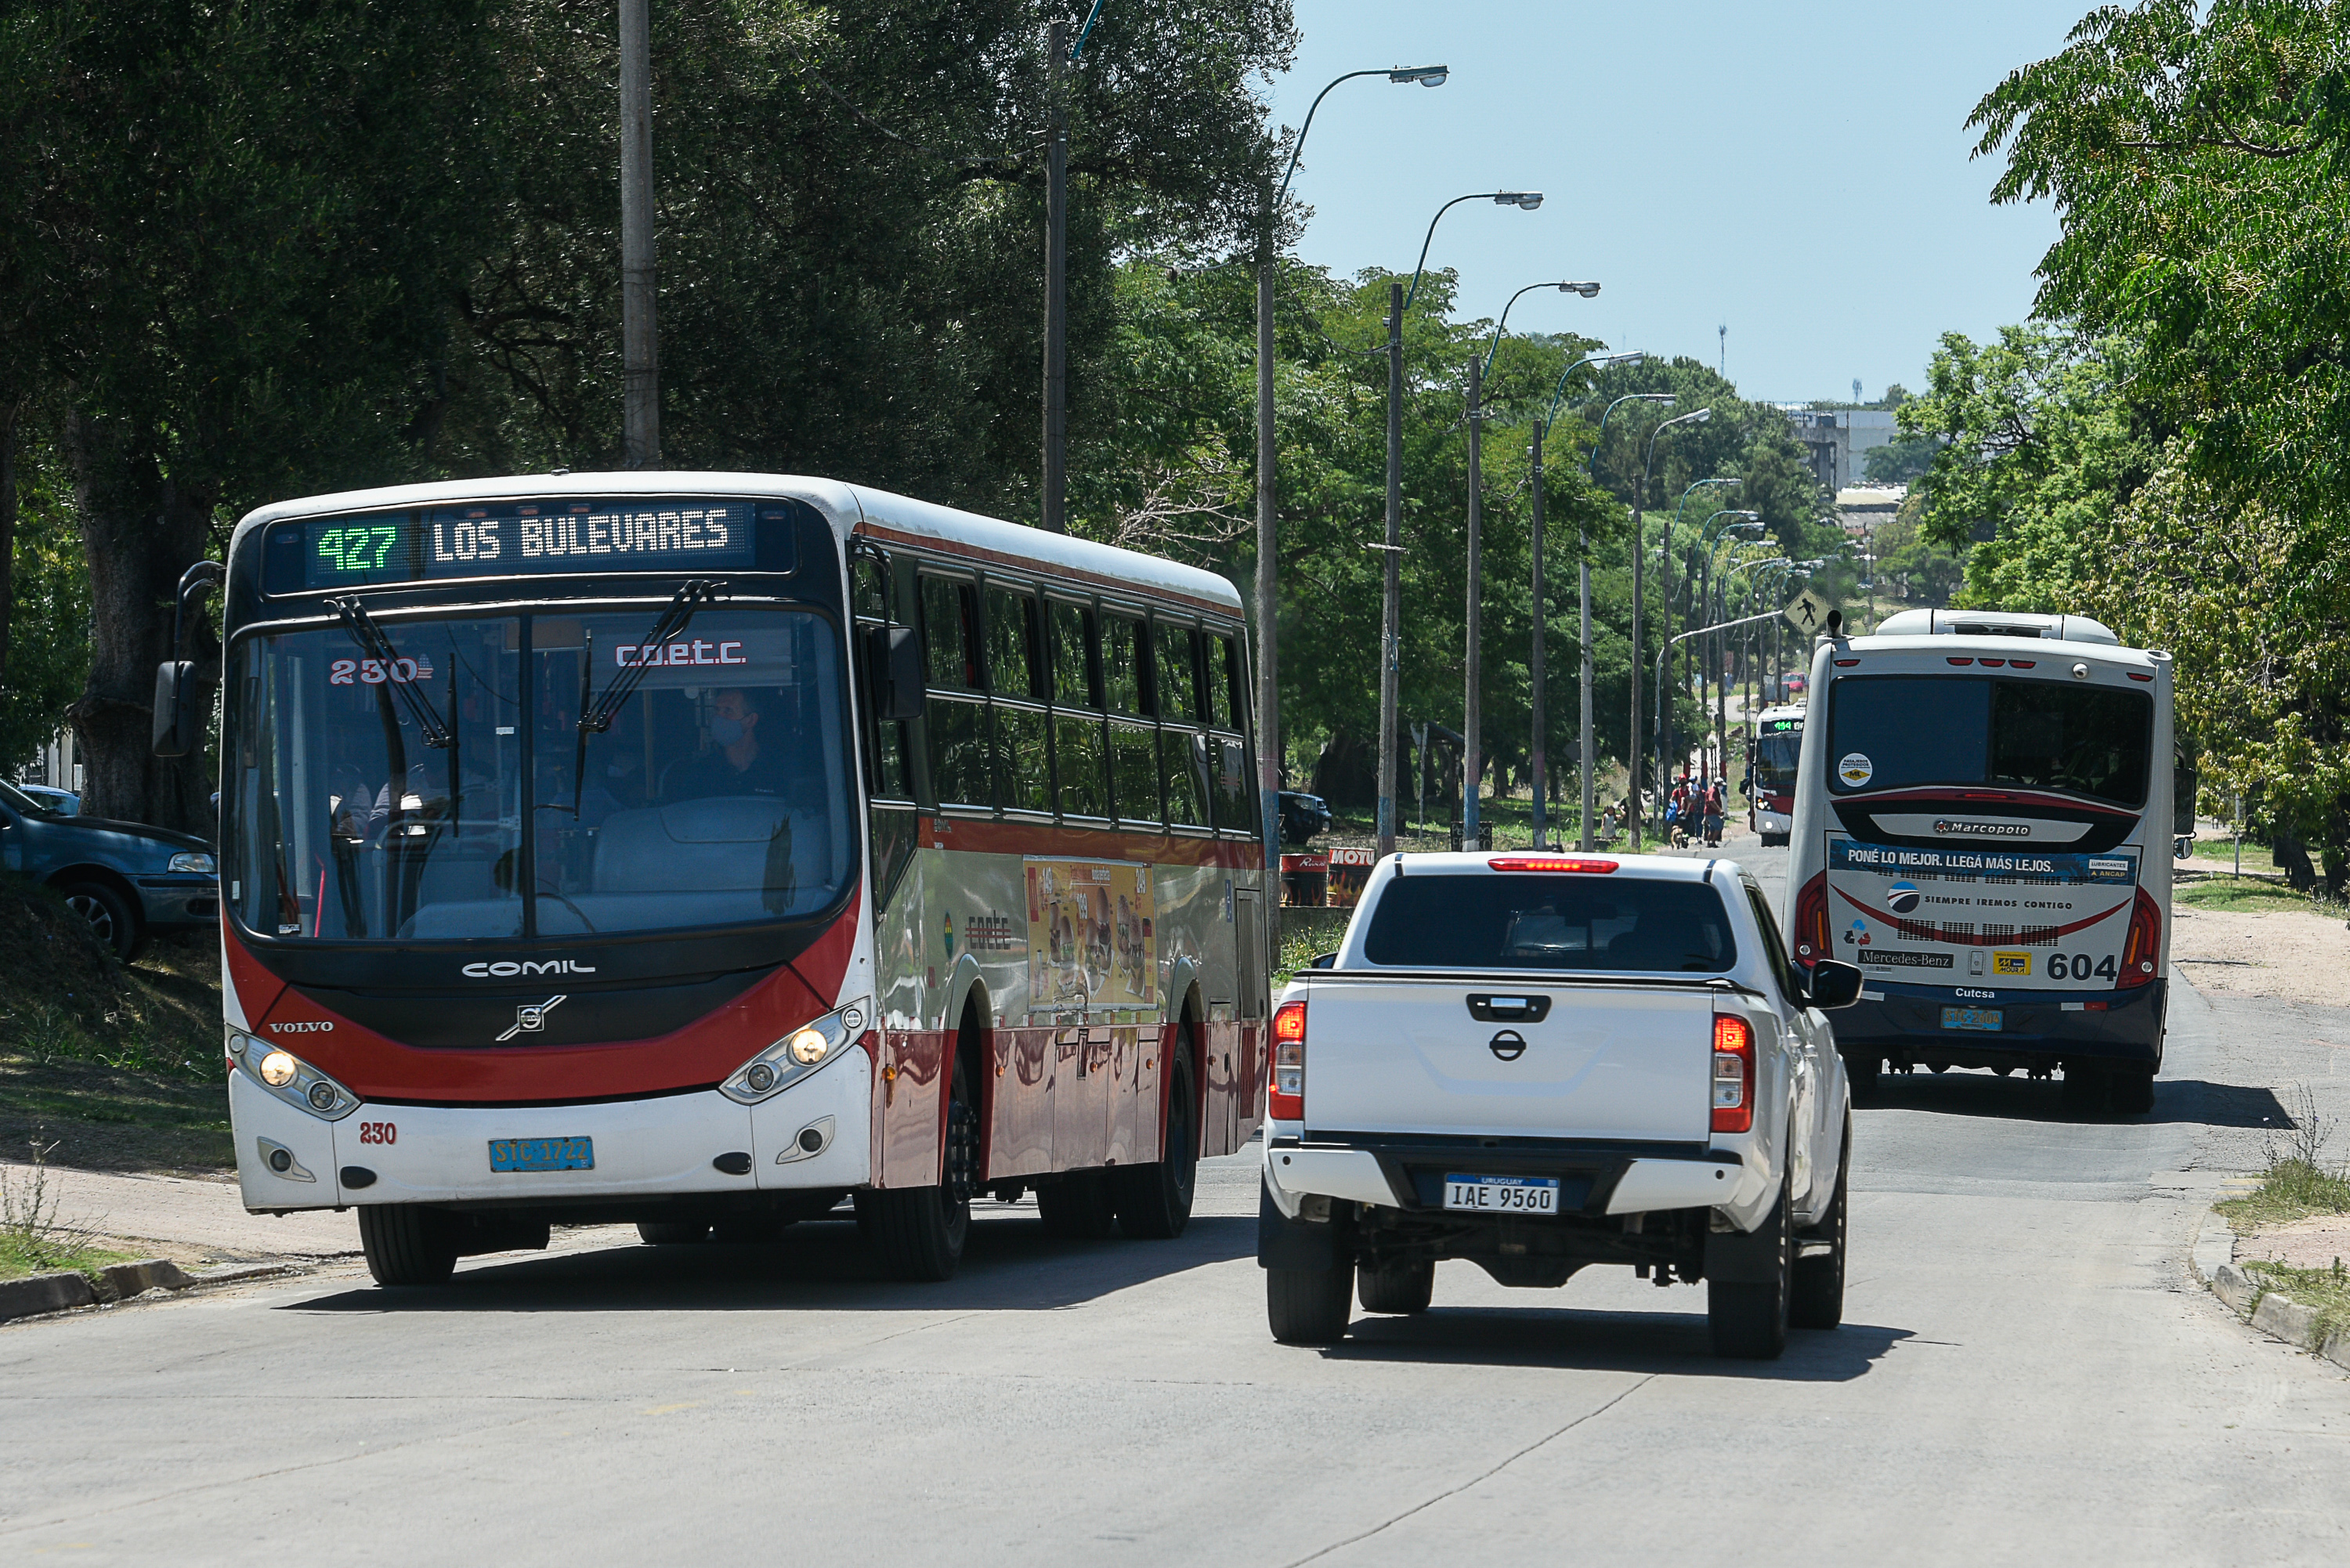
[(1839, 440), (56, 765), (1861, 508)]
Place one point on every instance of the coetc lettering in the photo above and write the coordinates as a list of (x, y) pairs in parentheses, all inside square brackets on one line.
[(678, 654)]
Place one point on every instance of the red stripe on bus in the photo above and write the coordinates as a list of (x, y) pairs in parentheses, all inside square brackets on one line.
[(2015, 940)]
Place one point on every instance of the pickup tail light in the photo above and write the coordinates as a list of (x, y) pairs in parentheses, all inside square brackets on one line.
[(1286, 1097), (2144, 944), (1733, 1074), (1584, 864), (1811, 933)]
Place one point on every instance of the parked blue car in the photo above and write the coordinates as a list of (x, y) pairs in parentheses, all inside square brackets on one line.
[(127, 880)]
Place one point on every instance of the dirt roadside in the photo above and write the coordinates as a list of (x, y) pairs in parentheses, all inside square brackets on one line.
[(2287, 955)]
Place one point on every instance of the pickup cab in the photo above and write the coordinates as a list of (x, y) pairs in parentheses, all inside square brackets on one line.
[(1537, 1062)]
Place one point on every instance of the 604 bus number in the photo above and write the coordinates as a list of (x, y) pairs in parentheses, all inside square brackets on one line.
[(2082, 966)]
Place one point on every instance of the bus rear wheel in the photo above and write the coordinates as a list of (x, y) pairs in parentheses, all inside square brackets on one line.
[(1154, 1201), (918, 1232), (673, 1232), (1078, 1206), (407, 1244), (2132, 1090)]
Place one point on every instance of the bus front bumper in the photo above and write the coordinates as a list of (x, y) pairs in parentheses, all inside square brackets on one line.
[(671, 1146), (2037, 1029)]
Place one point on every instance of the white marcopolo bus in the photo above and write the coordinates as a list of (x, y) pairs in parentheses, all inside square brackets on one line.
[(1982, 825), (1778, 744)]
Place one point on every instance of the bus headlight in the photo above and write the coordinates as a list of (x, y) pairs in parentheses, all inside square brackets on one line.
[(796, 1054), (290, 1078)]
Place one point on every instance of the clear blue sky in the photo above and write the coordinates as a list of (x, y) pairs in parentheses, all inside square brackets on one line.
[(1797, 171)]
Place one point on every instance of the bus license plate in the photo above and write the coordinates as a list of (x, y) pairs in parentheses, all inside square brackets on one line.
[(1501, 1194), (1986, 1018), (542, 1154)]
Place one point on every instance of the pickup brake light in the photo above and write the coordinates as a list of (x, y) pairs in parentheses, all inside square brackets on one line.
[(1286, 1096), (1551, 863), (1733, 1074)]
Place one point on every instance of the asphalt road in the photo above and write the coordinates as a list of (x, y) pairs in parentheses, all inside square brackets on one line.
[(2026, 1372)]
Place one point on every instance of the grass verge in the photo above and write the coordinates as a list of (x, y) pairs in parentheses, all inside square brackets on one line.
[(2327, 1290), (2229, 895), (33, 1239), (2292, 1189)]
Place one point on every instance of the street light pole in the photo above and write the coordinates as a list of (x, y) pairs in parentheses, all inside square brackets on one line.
[(1399, 300), (1268, 602), (1582, 538), (1664, 733), (1473, 728), (639, 339), (1664, 576)]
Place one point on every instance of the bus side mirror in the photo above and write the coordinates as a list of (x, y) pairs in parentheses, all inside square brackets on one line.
[(893, 668), (1833, 985), (179, 725), (2182, 798)]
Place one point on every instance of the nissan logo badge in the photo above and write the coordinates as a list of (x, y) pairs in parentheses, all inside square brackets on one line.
[(1509, 1046)]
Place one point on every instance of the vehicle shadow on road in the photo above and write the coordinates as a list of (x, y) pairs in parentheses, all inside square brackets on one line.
[(1009, 1264), (1565, 1338), (1964, 1093)]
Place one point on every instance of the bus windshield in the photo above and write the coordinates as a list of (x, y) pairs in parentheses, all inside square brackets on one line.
[(1776, 752), (449, 790), (1887, 732)]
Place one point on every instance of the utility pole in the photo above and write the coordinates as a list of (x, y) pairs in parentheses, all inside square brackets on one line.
[(1541, 717), (1472, 723), (1635, 754), (1391, 603), (639, 343), (1052, 514), (1268, 687), (1583, 543)]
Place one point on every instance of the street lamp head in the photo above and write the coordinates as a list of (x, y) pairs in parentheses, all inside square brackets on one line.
[(1529, 200), (1589, 290), (1749, 517), (1700, 417), (1426, 76)]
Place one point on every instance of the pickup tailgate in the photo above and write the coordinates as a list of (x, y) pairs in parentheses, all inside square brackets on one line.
[(1445, 1056)]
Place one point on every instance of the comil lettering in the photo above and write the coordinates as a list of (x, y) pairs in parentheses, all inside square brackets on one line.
[(678, 654), (507, 969)]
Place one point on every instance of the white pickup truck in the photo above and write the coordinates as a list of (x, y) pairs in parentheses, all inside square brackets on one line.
[(1540, 1061)]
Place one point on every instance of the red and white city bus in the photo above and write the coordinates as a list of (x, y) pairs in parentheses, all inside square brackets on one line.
[(696, 849), (1775, 747)]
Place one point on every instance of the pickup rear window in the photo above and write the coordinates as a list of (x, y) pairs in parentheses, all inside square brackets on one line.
[(1550, 922)]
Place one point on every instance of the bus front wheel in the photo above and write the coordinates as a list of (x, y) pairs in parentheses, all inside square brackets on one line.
[(918, 1232), (407, 1244)]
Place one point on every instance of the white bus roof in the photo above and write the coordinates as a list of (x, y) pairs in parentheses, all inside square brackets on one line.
[(1995, 623), (849, 508), (1782, 711)]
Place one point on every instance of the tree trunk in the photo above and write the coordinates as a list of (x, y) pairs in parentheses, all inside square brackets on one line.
[(140, 531), (2293, 860), (8, 417)]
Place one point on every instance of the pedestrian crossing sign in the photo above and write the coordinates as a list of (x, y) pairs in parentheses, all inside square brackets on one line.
[(1807, 613)]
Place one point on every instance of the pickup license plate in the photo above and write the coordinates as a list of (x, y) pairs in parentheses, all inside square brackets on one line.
[(542, 1154), (1501, 1194), (1986, 1018)]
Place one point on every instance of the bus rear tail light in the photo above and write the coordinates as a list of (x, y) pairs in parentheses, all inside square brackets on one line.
[(1285, 1098), (1811, 931), (1733, 1074), (2144, 943)]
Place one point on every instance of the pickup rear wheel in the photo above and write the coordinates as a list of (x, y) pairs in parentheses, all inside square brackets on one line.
[(1749, 1319), (1402, 1289), (1818, 1295), (1309, 1306), (673, 1232)]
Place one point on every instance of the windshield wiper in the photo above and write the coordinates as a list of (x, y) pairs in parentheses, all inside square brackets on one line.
[(596, 716), (370, 638)]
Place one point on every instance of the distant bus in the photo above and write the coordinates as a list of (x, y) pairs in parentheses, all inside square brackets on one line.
[(1775, 747), (699, 849), (1983, 818)]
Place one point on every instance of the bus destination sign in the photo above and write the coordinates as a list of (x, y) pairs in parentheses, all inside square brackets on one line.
[(513, 539)]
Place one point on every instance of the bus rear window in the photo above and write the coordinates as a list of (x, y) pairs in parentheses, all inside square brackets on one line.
[(1550, 922), (1889, 732)]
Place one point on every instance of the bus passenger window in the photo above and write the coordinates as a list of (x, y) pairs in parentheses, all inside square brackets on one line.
[(1226, 702), (1236, 794), (1134, 771), (949, 637), (1072, 657), (959, 752), (1183, 760), (1179, 685), (1011, 643), (1122, 664)]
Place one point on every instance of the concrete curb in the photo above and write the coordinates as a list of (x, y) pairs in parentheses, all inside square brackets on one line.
[(44, 1293), (40, 1294), (2274, 1313)]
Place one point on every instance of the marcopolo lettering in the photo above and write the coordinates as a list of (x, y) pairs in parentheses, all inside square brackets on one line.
[(509, 969)]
